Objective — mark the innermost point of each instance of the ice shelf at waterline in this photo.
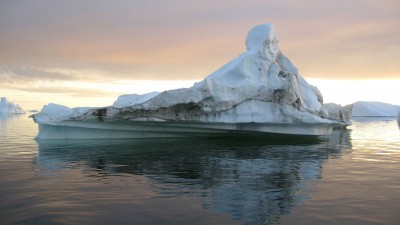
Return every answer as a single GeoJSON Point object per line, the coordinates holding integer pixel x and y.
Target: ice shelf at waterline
{"type": "Point", "coordinates": [258, 93]}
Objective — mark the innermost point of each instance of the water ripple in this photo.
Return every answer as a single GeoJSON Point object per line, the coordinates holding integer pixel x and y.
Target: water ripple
{"type": "Point", "coordinates": [342, 178]}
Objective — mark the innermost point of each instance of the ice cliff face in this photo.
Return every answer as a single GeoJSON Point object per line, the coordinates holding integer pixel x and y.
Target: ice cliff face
{"type": "Point", "coordinates": [259, 86]}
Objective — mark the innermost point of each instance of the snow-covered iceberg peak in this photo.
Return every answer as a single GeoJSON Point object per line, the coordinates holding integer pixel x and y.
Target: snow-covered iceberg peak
{"type": "Point", "coordinates": [258, 92]}
{"type": "Point", "coordinates": [261, 73]}
{"type": "Point", "coordinates": [262, 37]}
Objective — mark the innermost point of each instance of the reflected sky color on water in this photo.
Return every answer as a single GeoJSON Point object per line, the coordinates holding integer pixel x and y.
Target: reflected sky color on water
{"type": "Point", "coordinates": [350, 177]}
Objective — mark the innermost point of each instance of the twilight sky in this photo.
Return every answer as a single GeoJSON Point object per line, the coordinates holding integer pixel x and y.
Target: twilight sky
{"type": "Point", "coordinates": [98, 49]}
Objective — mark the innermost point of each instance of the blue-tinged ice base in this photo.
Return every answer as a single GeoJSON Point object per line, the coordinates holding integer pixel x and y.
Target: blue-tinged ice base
{"type": "Point", "coordinates": [119, 130]}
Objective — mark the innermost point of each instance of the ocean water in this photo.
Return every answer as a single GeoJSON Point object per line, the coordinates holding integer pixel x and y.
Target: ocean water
{"type": "Point", "coordinates": [351, 177]}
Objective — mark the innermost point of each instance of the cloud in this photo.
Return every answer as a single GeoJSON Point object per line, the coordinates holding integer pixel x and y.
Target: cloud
{"type": "Point", "coordinates": [52, 81]}
{"type": "Point", "coordinates": [188, 39]}
{"type": "Point", "coordinates": [29, 74]}
{"type": "Point", "coordinates": [71, 91]}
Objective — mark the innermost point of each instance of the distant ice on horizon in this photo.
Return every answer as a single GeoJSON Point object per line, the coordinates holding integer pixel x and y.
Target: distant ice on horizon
{"type": "Point", "coordinates": [375, 109]}
{"type": "Point", "coordinates": [10, 107]}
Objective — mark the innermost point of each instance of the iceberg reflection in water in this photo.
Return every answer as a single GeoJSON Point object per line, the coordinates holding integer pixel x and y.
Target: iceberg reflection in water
{"type": "Point", "coordinates": [253, 180]}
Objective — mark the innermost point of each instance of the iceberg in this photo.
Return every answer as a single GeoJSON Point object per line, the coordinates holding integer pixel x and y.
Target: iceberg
{"type": "Point", "coordinates": [258, 93]}
{"type": "Point", "coordinates": [374, 109]}
{"type": "Point", "coordinates": [7, 107]}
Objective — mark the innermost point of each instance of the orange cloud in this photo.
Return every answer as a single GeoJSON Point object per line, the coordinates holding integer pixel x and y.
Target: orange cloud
{"type": "Point", "coordinates": [188, 40]}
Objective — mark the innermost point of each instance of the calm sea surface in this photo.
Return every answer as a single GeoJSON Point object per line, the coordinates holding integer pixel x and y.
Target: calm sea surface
{"type": "Point", "coordinates": [351, 177]}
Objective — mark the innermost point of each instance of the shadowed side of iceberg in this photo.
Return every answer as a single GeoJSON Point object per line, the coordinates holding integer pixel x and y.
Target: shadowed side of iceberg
{"type": "Point", "coordinates": [127, 130]}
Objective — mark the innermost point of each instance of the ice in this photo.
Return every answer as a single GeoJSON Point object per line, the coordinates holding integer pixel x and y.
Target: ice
{"type": "Point", "coordinates": [376, 109]}
{"type": "Point", "coordinates": [337, 112]}
{"type": "Point", "coordinates": [10, 107]}
{"type": "Point", "coordinates": [132, 99]}
{"type": "Point", "coordinates": [258, 93]}
{"type": "Point", "coordinates": [55, 113]}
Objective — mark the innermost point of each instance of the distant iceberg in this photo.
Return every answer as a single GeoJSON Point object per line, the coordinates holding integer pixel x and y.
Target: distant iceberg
{"type": "Point", "coordinates": [258, 93]}
{"type": "Point", "coordinates": [374, 109]}
{"type": "Point", "coordinates": [10, 107]}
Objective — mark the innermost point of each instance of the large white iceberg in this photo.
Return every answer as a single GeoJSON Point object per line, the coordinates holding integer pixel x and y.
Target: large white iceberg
{"type": "Point", "coordinates": [374, 109]}
{"type": "Point", "coordinates": [259, 92]}
{"type": "Point", "coordinates": [10, 107]}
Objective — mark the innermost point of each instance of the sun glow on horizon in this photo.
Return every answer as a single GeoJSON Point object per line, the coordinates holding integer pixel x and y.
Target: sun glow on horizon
{"type": "Point", "coordinates": [349, 91]}
{"type": "Point", "coordinates": [99, 94]}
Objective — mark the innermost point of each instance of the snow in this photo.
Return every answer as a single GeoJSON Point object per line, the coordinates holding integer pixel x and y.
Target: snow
{"type": "Point", "coordinates": [132, 99]}
{"type": "Point", "coordinates": [260, 36]}
{"type": "Point", "coordinates": [375, 109]}
{"type": "Point", "coordinates": [54, 113]}
{"type": "Point", "coordinates": [10, 107]}
{"type": "Point", "coordinates": [260, 91]}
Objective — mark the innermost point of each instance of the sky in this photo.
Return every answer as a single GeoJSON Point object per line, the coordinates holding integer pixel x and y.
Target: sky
{"type": "Point", "coordinates": [88, 52]}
